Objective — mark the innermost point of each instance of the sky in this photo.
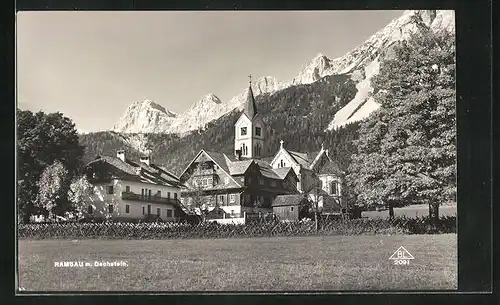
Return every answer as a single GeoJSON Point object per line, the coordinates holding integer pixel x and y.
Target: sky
{"type": "Point", "coordinates": [92, 65]}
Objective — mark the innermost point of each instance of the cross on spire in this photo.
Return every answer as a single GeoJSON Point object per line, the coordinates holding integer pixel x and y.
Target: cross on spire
{"type": "Point", "coordinates": [250, 78]}
{"type": "Point", "coordinates": [281, 143]}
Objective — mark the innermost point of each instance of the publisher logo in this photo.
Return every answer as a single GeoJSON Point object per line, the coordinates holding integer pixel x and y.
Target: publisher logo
{"type": "Point", "coordinates": [401, 256]}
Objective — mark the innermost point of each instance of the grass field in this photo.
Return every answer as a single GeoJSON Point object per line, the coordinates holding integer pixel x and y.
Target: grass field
{"type": "Point", "coordinates": [248, 264]}
{"type": "Point", "coordinates": [411, 211]}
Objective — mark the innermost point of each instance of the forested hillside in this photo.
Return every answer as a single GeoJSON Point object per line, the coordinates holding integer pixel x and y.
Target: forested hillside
{"type": "Point", "coordinates": [297, 115]}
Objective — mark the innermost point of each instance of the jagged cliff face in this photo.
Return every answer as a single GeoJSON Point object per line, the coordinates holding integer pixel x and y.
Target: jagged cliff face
{"type": "Point", "coordinates": [144, 117]}
{"type": "Point", "coordinates": [365, 59]}
{"type": "Point", "coordinates": [361, 64]}
{"type": "Point", "coordinates": [149, 117]}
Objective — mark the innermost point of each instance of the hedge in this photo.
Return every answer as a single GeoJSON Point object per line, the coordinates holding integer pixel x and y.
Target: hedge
{"type": "Point", "coordinates": [117, 230]}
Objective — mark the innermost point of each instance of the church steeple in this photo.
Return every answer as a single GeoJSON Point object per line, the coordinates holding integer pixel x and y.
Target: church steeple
{"type": "Point", "coordinates": [249, 129]}
{"type": "Point", "coordinates": [250, 107]}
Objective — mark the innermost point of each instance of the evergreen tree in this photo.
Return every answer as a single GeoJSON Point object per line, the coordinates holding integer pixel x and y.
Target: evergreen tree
{"type": "Point", "coordinates": [406, 151]}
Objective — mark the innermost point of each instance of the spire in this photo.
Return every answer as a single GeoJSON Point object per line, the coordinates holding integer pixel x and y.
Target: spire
{"type": "Point", "coordinates": [250, 108]}
{"type": "Point", "coordinates": [281, 144]}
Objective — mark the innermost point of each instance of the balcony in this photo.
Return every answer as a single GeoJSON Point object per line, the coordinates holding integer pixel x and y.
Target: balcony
{"type": "Point", "coordinates": [204, 172]}
{"type": "Point", "coordinates": [151, 199]}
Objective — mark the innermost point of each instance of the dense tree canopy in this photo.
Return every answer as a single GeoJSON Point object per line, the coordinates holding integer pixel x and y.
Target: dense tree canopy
{"type": "Point", "coordinates": [406, 151]}
{"type": "Point", "coordinates": [42, 141]}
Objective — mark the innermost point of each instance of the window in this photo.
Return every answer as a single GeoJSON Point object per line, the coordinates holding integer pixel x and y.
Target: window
{"type": "Point", "coordinates": [204, 182]}
{"type": "Point", "coordinates": [158, 211]}
{"type": "Point", "coordinates": [175, 196]}
{"type": "Point", "coordinates": [127, 189]}
{"type": "Point", "coordinates": [158, 193]}
{"type": "Point", "coordinates": [244, 149]}
{"type": "Point", "coordinates": [210, 181]}
{"type": "Point", "coordinates": [169, 213]}
{"type": "Point", "coordinates": [149, 194]}
{"type": "Point", "coordinates": [221, 198]}
{"type": "Point", "coordinates": [282, 163]}
{"type": "Point", "coordinates": [143, 210]}
{"type": "Point", "coordinates": [273, 183]}
{"type": "Point", "coordinates": [257, 131]}
{"type": "Point", "coordinates": [127, 208]}
{"type": "Point", "coordinates": [168, 195]}
{"type": "Point", "coordinates": [149, 209]}
{"type": "Point", "coordinates": [90, 209]}
{"type": "Point", "coordinates": [226, 180]}
{"type": "Point", "coordinates": [142, 192]}
{"type": "Point", "coordinates": [110, 209]}
{"type": "Point", "coordinates": [291, 209]}
{"type": "Point", "coordinates": [243, 131]}
{"type": "Point", "coordinates": [232, 212]}
{"type": "Point", "coordinates": [175, 213]}
{"type": "Point", "coordinates": [110, 189]}
{"type": "Point", "coordinates": [261, 181]}
{"type": "Point", "coordinates": [334, 186]}
{"type": "Point", "coordinates": [249, 180]}
{"type": "Point", "coordinates": [232, 198]}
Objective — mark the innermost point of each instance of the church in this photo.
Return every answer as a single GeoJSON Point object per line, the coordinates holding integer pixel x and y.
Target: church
{"type": "Point", "coordinates": [245, 181]}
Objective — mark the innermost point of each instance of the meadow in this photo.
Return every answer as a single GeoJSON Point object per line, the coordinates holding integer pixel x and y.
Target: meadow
{"type": "Point", "coordinates": [359, 262]}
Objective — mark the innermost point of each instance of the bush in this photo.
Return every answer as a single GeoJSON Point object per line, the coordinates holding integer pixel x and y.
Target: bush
{"type": "Point", "coordinates": [152, 230]}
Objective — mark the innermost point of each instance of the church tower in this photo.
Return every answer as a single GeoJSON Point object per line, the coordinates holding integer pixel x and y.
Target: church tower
{"type": "Point", "coordinates": [249, 130]}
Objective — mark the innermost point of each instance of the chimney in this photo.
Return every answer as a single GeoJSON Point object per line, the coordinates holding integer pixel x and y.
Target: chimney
{"type": "Point", "coordinates": [121, 155]}
{"type": "Point", "coordinates": [146, 160]}
{"type": "Point", "coordinates": [238, 154]}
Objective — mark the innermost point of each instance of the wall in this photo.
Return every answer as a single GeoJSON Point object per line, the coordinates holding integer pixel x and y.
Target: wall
{"type": "Point", "coordinates": [101, 200]}
{"type": "Point", "coordinates": [243, 121]}
{"type": "Point", "coordinates": [240, 220]}
{"type": "Point", "coordinates": [327, 179]}
{"type": "Point", "coordinates": [285, 212]}
{"type": "Point", "coordinates": [307, 180]}
{"type": "Point", "coordinates": [235, 208]}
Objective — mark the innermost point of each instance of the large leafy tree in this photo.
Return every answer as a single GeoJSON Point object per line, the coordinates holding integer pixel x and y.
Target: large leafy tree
{"type": "Point", "coordinates": [52, 187]}
{"type": "Point", "coordinates": [80, 190]}
{"type": "Point", "coordinates": [406, 151]}
{"type": "Point", "coordinates": [43, 139]}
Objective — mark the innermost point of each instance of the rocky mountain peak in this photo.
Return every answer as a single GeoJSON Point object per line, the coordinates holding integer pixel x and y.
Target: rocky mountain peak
{"type": "Point", "coordinates": [142, 116]}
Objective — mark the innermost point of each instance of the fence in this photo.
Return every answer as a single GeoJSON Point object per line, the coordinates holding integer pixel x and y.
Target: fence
{"type": "Point", "coordinates": [113, 230]}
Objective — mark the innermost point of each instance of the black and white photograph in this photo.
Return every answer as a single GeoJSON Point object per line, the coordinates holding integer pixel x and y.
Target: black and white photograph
{"type": "Point", "coordinates": [236, 151]}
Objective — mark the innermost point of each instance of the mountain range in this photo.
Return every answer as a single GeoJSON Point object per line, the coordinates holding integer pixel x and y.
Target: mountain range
{"type": "Point", "coordinates": [321, 104]}
{"type": "Point", "coordinates": [361, 64]}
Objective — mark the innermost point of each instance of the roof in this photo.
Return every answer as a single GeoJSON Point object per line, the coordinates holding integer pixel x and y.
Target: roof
{"type": "Point", "coordinates": [130, 170]}
{"type": "Point", "coordinates": [287, 200]}
{"type": "Point", "coordinates": [282, 171]}
{"type": "Point", "coordinates": [220, 159]}
{"type": "Point", "coordinates": [239, 167]}
{"type": "Point", "coordinates": [250, 107]}
{"type": "Point", "coordinates": [266, 170]}
{"type": "Point", "coordinates": [165, 171]}
{"type": "Point", "coordinates": [330, 168]}
{"type": "Point", "coordinates": [301, 158]}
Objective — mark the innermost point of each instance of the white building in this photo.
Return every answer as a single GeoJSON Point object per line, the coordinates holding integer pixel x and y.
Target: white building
{"type": "Point", "coordinates": [124, 189]}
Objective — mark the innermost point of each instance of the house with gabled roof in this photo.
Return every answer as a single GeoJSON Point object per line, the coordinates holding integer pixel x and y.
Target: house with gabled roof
{"type": "Point", "coordinates": [305, 165]}
{"type": "Point", "coordinates": [245, 181]}
{"type": "Point", "coordinates": [131, 190]}
{"type": "Point", "coordinates": [242, 182]}
{"type": "Point", "coordinates": [214, 179]}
